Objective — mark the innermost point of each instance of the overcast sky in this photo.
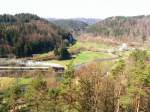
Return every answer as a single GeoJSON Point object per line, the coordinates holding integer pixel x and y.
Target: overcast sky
{"type": "Point", "coordinates": [76, 8]}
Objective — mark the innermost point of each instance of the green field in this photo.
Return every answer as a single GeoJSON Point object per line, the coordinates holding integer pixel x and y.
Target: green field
{"type": "Point", "coordinates": [83, 57]}
{"type": "Point", "coordinates": [84, 52]}
{"type": "Point", "coordinates": [81, 46]}
{"type": "Point", "coordinates": [88, 52]}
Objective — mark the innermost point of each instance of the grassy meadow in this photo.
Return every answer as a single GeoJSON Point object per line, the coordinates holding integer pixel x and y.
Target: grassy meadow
{"type": "Point", "coordinates": [82, 52]}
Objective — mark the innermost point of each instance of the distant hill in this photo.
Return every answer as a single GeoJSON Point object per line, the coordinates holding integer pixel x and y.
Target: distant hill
{"type": "Point", "coordinates": [135, 27]}
{"type": "Point", "coordinates": [27, 34]}
{"type": "Point", "coordinates": [51, 19]}
{"type": "Point", "coordinates": [89, 21]}
{"type": "Point", "coordinates": [69, 24]}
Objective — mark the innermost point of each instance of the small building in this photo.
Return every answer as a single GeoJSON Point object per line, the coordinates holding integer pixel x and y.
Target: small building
{"type": "Point", "coordinates": [123, 47]}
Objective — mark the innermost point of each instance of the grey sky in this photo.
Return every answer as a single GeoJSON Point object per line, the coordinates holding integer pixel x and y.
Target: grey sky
{"type": "Point", "coordinates": [76, 8]}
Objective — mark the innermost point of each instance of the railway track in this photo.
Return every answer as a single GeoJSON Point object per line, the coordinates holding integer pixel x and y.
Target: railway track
{"type": "Point", "coordinates": [23, 68]}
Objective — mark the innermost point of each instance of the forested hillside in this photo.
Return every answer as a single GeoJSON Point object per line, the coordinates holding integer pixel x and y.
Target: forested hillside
{"type": "Point", "coordinates": [136, 27]}
{"type": "Point", "coordinates": [26, 34]}
{"type": "Point", "coordinates": [70, 24]}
